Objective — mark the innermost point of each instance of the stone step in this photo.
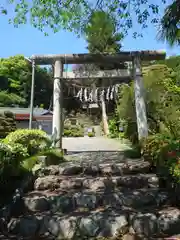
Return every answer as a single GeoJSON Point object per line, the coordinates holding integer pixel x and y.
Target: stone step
{"type": "Point", "coordinates": [94, 169]}
{"type": "Point", "coordinates": [68, 201]}
{"type": "Point", "coordinates": [53, 182]}
{"type": "Point", "coordinates": [98, 223]}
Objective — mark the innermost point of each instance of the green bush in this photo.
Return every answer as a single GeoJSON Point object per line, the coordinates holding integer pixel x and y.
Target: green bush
{"type": "Point", "coordinates": [33, 140]}
{"type": "Point", "coordinates": [163, 152]}
{"type": "Point", "coordinates": [18, 146]}
{"type": "Point", "coordinates": [52, 157]}
{"type": "Point", "coordinates": [91, 134]}
{"type": "Point", "coordinates": [5, 156]}
{"type": "Point", "coordinates": [162, 103]}
{"type": "Point", "coordinates": [113, 128]}
{"type": "Point", "coordinates": [30, 162]}
{"type": "Point", "coordinates": [10, 160]}
{"type": "Point", "coordinates": [134, 152]}
{"type": "Point", "coordinates": [117, 127]}
{"type": "Point", "coordinates": [73, 132]}
{"type": "Point", "coordinates": [7, 124]}
{"type": "Point", "coordinates": [67, 133]}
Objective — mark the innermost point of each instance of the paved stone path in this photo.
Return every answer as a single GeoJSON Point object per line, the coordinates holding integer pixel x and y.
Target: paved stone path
{"type": "Point", "coordinates": [93, 144]}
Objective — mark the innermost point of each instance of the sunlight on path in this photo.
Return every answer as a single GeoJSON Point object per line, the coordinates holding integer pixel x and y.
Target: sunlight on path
{"type": "Point", "coordinates": [93, 144]}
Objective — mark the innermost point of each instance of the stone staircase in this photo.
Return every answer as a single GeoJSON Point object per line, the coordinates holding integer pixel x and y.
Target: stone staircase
{"type": "Point", "coordinates": [95, 195]}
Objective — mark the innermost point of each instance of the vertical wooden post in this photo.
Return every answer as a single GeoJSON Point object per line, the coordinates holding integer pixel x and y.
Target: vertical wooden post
{"type": "Point", "coordinates": [103, 109]}
{"type": "Point", "coordinates": [57, 128]}
{"type": "Point", "coordinates": [104, 116]}
{"type": "Point", "coordinates": [32, 95]}
{"type": "Point", "coordinates": [141, 117]}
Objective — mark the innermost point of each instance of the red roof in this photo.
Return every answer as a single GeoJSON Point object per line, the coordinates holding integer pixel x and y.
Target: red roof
{"type": "Point", "coordinates": [26, 117]}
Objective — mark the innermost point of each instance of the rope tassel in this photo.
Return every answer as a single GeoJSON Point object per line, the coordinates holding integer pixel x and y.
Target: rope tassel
{"type": "Point", "coordinates": [112, 93]}
{"type": "Point", "coordinates": [107, 94]}
{"type": "Point", "coordinates": [81, 95]}
{"type": "Point", "coordinates": [96, 95]}
{"type": "Point", "coordinates": [91, 96]}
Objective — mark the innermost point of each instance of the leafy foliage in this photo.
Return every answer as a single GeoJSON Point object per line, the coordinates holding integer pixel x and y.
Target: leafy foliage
{"type": "Point", "coordinates": [15, 75]}
{"type": "Point", "coordinates": [10, 161]}
{"type": "Point", "coordinates": [127, 115]}
{"type": "Point", "coordinates": [91, 134]}
{"type": "Point", "coordinates": [162, 103]}
{"type": "Point", "coordinates": [173, 63]}
{"type": "Point", "coordinates": [33, 140]}
{"type": "Point", "coordinates": [7, 124]}
{"type": "Point", "coordinates": [102, 35]}
{"type": "Point", "coordinates": [20, 155]}
{"type": "Point", "coordinates": [15, 85]}
{"type": "Point", "coordinates": [5, 159]}
{"type": "Point", "coordinates": [73, 131]}
{"type": "Point", "coordinates": [10, 99]}
{"type": "Point", "coordinates": [163, 151]}
{"type": "Point", "coordinates": [169, 29]}
{"type": "Point", "coordinates": [114, 127]}
{"type": "Point", "coordinates": [75, 15]}
{"type": "Point", "coordinates": [51, 157]}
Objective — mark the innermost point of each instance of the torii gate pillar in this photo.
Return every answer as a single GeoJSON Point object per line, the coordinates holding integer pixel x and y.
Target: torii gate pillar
{"type": "Point", "coordinates": [57, 126]}
{"type": "Point", "coordinates": [141, 115]}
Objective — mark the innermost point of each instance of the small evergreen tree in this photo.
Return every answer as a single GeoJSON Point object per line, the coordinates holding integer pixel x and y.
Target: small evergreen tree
{"type": "Point", "coordinates": [7, 124]}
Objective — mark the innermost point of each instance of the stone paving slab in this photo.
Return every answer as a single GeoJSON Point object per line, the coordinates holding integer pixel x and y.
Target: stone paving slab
{"type": "Point", "coordinates": [93, 144]}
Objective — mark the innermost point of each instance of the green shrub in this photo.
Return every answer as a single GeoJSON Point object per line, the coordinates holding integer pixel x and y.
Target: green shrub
{"type": "Point", "coordinates": [10, 160]}
{"type": "Point", "coordinates": [52, 157]}
{"type": "Point", "coordinates": [117, 127]}
{"type": "Point", "coordinates": [77, 134]}
{"type": "Point", "coordinates": [7, 124]}
{"type": "Point", "coordinates": [163, 152]}
{"type": "Point", "coordinates": [67, 133]}
{"type": "Point", "coordinates": [162, 103]}
{"type": "Point", "coordinates": [135, 152]}
{"type": "Point", "coordinates": [5, 156]}
{"type": "Point", "coordinates": [91, 134]}
{"type": "Point", "coordinates": [113, 128]}
{"type": "Point", "coordinates": [73, 132]}
{"type": "Point", "coordinates": [33, 140]}
{"type": "Point", "coordinates": [30, 162]}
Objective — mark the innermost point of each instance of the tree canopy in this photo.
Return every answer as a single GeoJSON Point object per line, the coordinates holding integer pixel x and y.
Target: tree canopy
{"type": "Point", "coordinates": [15, 78]}
{"type": "Point", "coordinates": [102, 35]}
{"type": "Point", "coordinates": [15, 85]}
{"type": "Point", "coordinates": [170, 24]}
{"type": "Point", "coordinates": [74, 15]}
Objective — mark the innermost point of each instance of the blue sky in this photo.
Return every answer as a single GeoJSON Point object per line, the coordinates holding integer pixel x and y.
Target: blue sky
{"type": "Point", "coordinates": [28, 41]}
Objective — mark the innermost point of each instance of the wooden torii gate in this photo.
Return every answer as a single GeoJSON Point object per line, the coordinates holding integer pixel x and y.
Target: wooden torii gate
{"type": "Point", "coordinates": [135, 57]}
